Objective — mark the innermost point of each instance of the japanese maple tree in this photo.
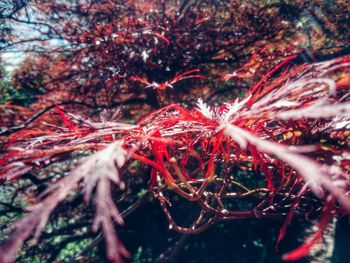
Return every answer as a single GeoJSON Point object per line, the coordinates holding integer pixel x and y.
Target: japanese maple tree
{"type": "Point", "coordinates": [279, 151]}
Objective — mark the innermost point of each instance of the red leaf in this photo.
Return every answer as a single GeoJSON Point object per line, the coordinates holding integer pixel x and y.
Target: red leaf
{"type": "Point", "coordinates": [66, 121]}
{"type": "Point", "coordinates": [304, 249]}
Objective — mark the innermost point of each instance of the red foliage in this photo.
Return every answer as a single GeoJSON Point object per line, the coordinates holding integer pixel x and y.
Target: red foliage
{"type": "Point", "coordinates": [280, 129]}
{"type": "Point", "coordinates": [290, 133]}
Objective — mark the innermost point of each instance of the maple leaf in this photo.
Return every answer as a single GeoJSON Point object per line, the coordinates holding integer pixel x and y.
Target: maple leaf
{"type": "Point", "coordinates": [97, 170]}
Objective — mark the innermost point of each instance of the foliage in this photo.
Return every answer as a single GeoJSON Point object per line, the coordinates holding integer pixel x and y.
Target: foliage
{"type": "Point", "coordinates": [192, 153]}
{"type": "Point", "coordinates": [280, 151]}
{"type": "Point", "coordinates": [99, 47]}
